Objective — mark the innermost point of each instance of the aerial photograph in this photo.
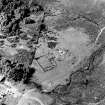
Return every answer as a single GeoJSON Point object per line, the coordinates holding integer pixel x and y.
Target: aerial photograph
{"type": "Point", "coordinates": [52, 52]}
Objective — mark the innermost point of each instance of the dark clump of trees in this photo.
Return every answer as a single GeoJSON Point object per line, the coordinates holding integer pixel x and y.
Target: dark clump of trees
{"type": "Point", "coordinates": [2, 104]}
{"type": "Point", "coordinates": [20, 73]}
{"type": "Point", "coordinates": [16, 72]}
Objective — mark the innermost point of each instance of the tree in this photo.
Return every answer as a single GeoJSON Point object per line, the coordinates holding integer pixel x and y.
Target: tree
{"type": "Point", "coordinates": [17, 73]}
{"type": "Point", "coordinates": [20, 73]}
